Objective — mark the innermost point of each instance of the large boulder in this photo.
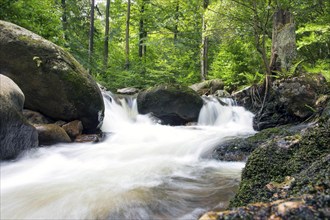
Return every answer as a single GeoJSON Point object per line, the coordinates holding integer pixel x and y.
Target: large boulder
{"type": "Point", "coordinates": [290, 100]}
{"type": "Point", "coordinates": [16, 134]}
{"type": "Point", "coordinates": [53, 82]}
{"type": "Point", "coordinates": [173, 105]}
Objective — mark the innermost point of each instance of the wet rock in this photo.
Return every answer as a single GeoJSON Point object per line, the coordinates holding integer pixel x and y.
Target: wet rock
{"type": "Point", "coordinates": [88, 138]}
{"type": "Point", "coordinates": [16, 134]}
{"type": "Point", "coordinates": [303, 207]}
{"type": "Point", "coordinates": [127, 91]}
{"type": "Point", "coordinates": [52, 134]}
{"type": "Point", "coordinates": [58, 86]}
{"type": "Point", "coordinates": [173, 105]}
{"type": "Point", "coordinates": [73, 128]}
{"type": "Point", "coordinates": [34, 117]}
{"type": "Point", "coordinates": [208, 87]}
{"type": "Point", "coordinates": [304, 157]}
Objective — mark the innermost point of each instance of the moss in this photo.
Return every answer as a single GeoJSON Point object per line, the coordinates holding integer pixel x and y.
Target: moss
{"type": "Point", "coordinates": [295, 156]}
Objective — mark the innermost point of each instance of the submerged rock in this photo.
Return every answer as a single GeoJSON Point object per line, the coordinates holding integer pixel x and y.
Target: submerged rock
{"type": "Point", "coordinates": [16, 134]}
{"type": "Point", "coordinates": [52, 134]}
{"type": "Point", "coordinates": [173, 105]}
{"type": "Point", "coordinates": [53, 82]}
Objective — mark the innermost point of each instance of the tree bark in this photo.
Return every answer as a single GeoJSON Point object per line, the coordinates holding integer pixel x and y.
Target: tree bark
{"type": "Point", "coordinates": [204, 48]}
{"type": "Point", "coordinates": [64, 20]}
{"type": "Point", "coordinates": [284, 48]}
{"type": "Point", "coordinates": [91, 37]}
{"type": "Point", "coordinates": [127, 64]}
{"type": "Point", "coordinates": [106, 36]}
{"type": "Point", "coordinates": [143, 33]}
{"type": "Point", "coordinates": [176, 26]}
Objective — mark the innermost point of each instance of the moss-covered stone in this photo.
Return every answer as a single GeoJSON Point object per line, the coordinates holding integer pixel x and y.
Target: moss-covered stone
{"type": "Point", "coordinates": [295, 156]}
{"type": "Point", "coordinates": [172, 104]}
{"type": "Point", "coordinates": [53, 82]}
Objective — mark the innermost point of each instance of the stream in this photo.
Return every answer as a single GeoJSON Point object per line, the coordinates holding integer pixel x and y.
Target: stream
{"type": "Point", "coordinates": [142, 170]}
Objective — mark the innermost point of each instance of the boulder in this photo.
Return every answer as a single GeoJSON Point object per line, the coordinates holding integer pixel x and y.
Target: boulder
{"type": "Point", "coordinates": [173, 105]}
{"type": "Point", "coordinates": [208, 87]}
{"type": "Point", "coordinates": [16, 134]}
{"type": "Point", "coordinates": [290, 100]}
{"type": "Point", "coordinates": [88, 138]}
{"type": "Point", "coordinates": [34, 117]}
{"type": "Point", "coordinates": [73, 128]}
{"type": "Point", "coordinates": [53, 82]}
{"type": "Point", "coordinates": [52, 134]}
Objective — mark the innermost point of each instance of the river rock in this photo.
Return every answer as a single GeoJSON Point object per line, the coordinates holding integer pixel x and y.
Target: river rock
{"type": "Point", "coordinates": [83, 138]}
{"type": "Point", "coordinates": [208, 87]}
{"type": "Point", "coordinates": [127, 91]}
{"type": "Point", "coordinates": [53, 82]}
{"type": "Point", "coordinates": [34, 117]}
{"type": "Point", "coordinates": [173, 105]}
{"type": "Point", "coordinates": [73, 128]}
{"type": "Point", "coordinates": [52, 134]}
{"type": "Point", "coordinates": [16, 134]}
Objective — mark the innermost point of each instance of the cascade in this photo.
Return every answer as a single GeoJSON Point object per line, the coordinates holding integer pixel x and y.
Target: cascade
{"type": "Point", "coordinates": [143, 170]}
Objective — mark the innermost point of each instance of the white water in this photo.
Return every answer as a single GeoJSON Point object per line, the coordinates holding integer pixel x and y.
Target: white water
{"type": "Point", "coordinates": [142, 170]}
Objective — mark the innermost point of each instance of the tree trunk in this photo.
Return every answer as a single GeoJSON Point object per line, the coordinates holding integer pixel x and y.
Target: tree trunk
{"type": "Point", "coordinates": [91, 37]}
{"type": "Point", "coordinates": [127, 33]}
{"type": "Point", "coordinates": [176, 27]}
{"type": "Point", "coordinates": [64, 20]}
{"type": "Point", "coordinates": [204, 47]}
{"type": "Point", "coordinates": [106, 36]}
{"type": "Point", "coordinates": [284, 48]}
{"type": "Point", "coordinates": [143, 33]}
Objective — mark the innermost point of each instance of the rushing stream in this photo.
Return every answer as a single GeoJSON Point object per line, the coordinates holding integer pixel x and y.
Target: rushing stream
{"type": "Point", "coordinates": [142, 170]}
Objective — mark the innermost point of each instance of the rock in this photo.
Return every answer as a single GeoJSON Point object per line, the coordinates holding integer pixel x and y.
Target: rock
{"type": "Point", "coordinates": [289, 101]}
{"type": "Point", "coordinates": [52, 134]}
{"type": "Point", "coordinates": [208, 87]}
{"type": "Point", "coordinates": [34, 117]}
{"type": "Point", "coordinates": [88, 138]}
{"type": "Point", "coordinates": [60, 123]}
{"type": "Point", "coordinates": [222, 94]}
{"type": "Point", "coordinates": [304, 156]}
{"type": "Point", "coordinates": [173, 105]}
{"type": "Point", "coordinates": [58, 86]}
{"type": "Point", "coordinates": [16, 134]}
{"type": "Point", "coordinates": [302, 207]}
{"type": "Point", "coordinates": [127, 91]}
{"type": "Point", "coordinates": [73, 128]}
{"type": "Point", "coordinates": [238, 149]}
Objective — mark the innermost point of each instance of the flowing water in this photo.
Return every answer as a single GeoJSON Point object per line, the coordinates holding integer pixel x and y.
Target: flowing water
{"type": "Point", "coordinates": [142, 170]}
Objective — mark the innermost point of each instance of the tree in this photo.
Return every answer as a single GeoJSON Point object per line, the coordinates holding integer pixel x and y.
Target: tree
{"type": "Point", "coordinates": [142, 31]}
{"type": "Point", "coordinates": [91, 36]}
{"type": "Point", "coordinates": [204, 47]}
{"type": "Point", "coordinates": [128, 16]}
{"type": "Point", "coordinates": [106, 36]}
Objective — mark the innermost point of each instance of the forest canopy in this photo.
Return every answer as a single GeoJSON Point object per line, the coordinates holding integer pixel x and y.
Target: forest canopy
{"type": "Point", "coordinates": [141, 43]}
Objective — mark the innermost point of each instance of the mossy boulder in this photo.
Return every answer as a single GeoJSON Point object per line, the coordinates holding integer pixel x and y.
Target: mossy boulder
{"type": "Point", "coordinates": [16, 134]}
{"type": "Point", "coordinates": [290, 100]}
{"type": "Point", "coordinates": [172, 104]}
{"type": "Point", "coordinates": [238, 149]}
{"type": "Point", "coordinates": [208, 87]}
{"type": "Point", "coordinates": [53, 82]}
{"type": "Point", "coordinates": [304, 157]}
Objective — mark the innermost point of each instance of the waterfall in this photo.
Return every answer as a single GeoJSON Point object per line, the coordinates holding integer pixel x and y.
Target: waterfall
{"type": "Point", "coordinates": [143, 170]}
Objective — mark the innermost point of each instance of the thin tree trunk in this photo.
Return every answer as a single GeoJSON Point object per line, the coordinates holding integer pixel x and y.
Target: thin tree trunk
{"type": "Point", "coordinates": [91, 37]}
{"type": "Point", "coordinates": [204, 47]}
{"type": "Point", "coordinates": [127, 64]}
{"type": "Point", "coordinates": [64, 19]}
{"type": "Point", "coordinates": [176, 27]}
{"type": "Point", "coordinates": [142, 31]}
{"type": "Point", "coordinates": [106, 36]}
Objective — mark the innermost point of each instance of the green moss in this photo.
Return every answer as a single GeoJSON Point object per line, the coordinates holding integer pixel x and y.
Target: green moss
{"type": "Point", "coordinates": [293, 156]}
